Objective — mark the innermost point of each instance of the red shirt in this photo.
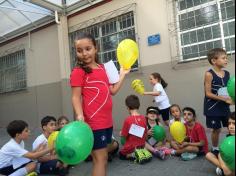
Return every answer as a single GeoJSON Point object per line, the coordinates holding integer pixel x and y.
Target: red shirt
{"type": "Point", "coordinates": [96, 96]}
{"type": "Point", "coordinates": [198, 134]}
{"type": "Point", "coordinates": [132, 141]}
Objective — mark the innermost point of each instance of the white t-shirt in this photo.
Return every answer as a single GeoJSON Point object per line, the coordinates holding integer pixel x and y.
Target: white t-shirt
{"type": "Point", "coordinates": [161, 101]}
{"type": "Point", "coordinates": [39, 140]}
{"type": "Point", "coordinates": [11, 154]}
{"type": "Point", "coordinates": [173, 120]}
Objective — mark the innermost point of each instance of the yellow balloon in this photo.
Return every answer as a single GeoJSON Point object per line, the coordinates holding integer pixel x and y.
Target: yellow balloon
{"type": "Point", "coordinates": [52, 138]}
{"type": "Point", "coordinates": [127, 53]}
{"type": "Point", "coordinates": [178, 131]}
{"type": "Point", "coordinates": [138, 86]}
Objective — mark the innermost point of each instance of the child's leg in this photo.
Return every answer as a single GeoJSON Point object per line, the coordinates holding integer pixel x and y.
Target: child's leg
{"type": "Point", "coordinates": [150, 148]}
{"type": "Point", "coordinates": [175, 145]}
{"type": "Point", "coordinates": [189, 149]}
{"type": "Point", "coordinates": [112, 148]}
{"type": "Point", "coordinates": [215, 136]}
{"type": "Point", "coordinates": [213, 159]}
{"type": "Point", "coordinates": [225, 168]}
{"type": "Point", "coordinates": [31, 167]}
{"type": "Point", "coordinates": [100, 158]}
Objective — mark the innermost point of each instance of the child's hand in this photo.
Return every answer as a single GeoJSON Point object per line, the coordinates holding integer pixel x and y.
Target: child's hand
{"type": "Point", "coordinates": [80, 118]}
{"type": "Point", "coordinates": [41, 147]}
{"type": "Point", "coordinates": [150, 132]}
{"type": "Point", "coordinates": [124, 72]}
{"type": "Point", "coordinates": [185, 144]}
{"type": "Point", "coordinates": [229, 101]}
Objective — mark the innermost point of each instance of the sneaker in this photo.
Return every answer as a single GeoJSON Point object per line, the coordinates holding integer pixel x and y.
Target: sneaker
{"type": "Point", "coordinates": [219, 172]}
{"type": "Point", "coordinates": [160, 154]}
{"type": "Point", "coordinates": [32, 174]}
{"type": "Point", "coordinates": [147, 154]}
{"type": "Point", "coordinates": [167, 150]}
{"type": "Point", "coordinates": [188, 156]}
{"type": "Point", "coordinates": [140, 157]}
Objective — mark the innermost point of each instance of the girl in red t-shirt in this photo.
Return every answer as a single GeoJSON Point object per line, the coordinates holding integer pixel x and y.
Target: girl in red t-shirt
{"type": "Point", "coordinates": [91, 98]}
{"type": "Point", "coordinates": [196, 141]}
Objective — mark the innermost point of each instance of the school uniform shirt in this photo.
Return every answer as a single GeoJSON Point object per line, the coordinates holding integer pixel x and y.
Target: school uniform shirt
{"type": "Point", "coordinates": [97, 99]}
{"type": "Point", "coordinates": [173, 121]}
{"type": "Point", "coordinates": [198, 134]}
{"type": "Point", "coordinates": [12, 154]}
{"type": "Point", "coordinates": [215, 108]}
{"type": "Point", "coordinates": [132, 141]}
{"type": "Point", "coordinates": [39, 140]}
{"type": "Point", "coordinates": [161, 101]}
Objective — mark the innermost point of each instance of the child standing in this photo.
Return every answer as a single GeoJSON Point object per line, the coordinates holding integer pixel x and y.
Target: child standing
{"type": "Point", "coordinates": [48, 164]}
{"type": "Point", "coordinates": [196, 134]}
{"type": "Point", "coordinates": [92, 100]}
{"type": "Point", "coordinates": [15, 160]}
{"type": "Point", "coordinates": [217, 100]}
{"type": "Point", "coordinates": [161, 98]}
{"type": "Point", "coordinates": [134, 131]}
{"type": "Point", "coordinates": [222, 169]}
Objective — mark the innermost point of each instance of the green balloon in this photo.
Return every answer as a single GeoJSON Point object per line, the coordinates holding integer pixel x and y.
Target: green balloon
{"type": "Point", "coordinates": [122, 140]}
{"type": "Point", "coordinates": [227, 152]}
{"type": "Point", "coordinates": [231, 87]}
{"type": "Point", "coordinates": [159, 133]}
{"type": "Point", "coordinates": [74, 143]}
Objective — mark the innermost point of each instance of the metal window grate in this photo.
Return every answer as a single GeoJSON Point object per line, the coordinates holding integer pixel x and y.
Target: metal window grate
{"type": "Point", "coordinates": [13, 72]}
{"type": "Point", "coordinates": [108, 34]}
{"type": "Point", "coordinates": [202, 25]}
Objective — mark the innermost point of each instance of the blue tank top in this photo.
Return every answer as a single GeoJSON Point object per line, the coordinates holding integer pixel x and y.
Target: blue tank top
{"type": "Point", "coordinates": [217, 108]}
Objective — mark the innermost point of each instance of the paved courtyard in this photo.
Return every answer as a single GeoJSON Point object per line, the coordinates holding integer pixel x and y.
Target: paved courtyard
{"type": "Point", "coordinates": [171, 167]}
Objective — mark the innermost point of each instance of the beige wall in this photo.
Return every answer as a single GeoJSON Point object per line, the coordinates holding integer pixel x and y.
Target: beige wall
{"type": "Point", "coordinates": [47, 59]}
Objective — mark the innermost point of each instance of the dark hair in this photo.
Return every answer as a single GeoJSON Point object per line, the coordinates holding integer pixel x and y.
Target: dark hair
{"type": "Point", "coordinates": [153, 109]}
{"type": "Point", "coordinates": [132, 102]}
{"type": "Point", "coordinates": [16, 127]}
{"type": "Point", "coordinates": [45, 121]}
{"type": "Point", "coordinates": [62, 118]}
{"type": "Point", "coordinates": [80, 63]}
{"type": "Point", "coordinates": [160, 79]}
{"type": "Point", "coordinates": [175, 106]}
{"type": "Point", "coordinates": [190, 110]}
{"type": "Point", "coordinates": [215, 53]}
{"type": "Point", "coordinates": [232, 116]}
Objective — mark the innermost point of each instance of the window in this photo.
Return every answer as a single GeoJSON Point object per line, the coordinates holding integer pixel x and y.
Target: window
{"type": "Point", "coordinates": [13, 72]}
{"type": "Point", "coordinates": [203, 25]}
{"type": "Point", "coordinates": [108, 34]}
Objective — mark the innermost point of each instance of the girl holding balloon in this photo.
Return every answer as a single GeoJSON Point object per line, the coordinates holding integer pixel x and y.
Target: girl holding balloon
{"type": "Point", "coordinates": [160, 97]}
{"type": "Point", "coordinates": [92, 100]}
{"type": "Point", "coordinates": [225, 161]}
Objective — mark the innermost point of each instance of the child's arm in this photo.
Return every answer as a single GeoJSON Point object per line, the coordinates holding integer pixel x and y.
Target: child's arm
{"type": "Point", "coordinates": [194, 144]}
{"type": "Point", "coordinates": [208, 92]}
{"type": "Point", "coordinates": [37, 154]}
{"type": "Point", "coordinates": [76, 101]}
{"type": "Point", "coordinates": [152, 93]}
{"type": "Point", "coordinates": [116, 87]}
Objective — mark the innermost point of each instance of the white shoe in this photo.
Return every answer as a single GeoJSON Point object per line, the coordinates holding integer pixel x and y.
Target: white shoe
{"type": "Point", "coordinates": [219, 172]}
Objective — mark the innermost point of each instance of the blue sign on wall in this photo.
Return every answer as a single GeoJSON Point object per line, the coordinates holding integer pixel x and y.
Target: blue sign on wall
{"type": "Point", "coordinates": [154, 40]}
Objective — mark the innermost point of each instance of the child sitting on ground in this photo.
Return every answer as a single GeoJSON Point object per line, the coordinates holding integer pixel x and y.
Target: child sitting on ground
{"type": "Point", "coordinates": [197, 140]}
{"type": "Point", "coordinates": [134, 132]}
{"type": "Point", "coordinates": [62, 121]}
{"type": "Point", "coordinates": [15, 160]}
{"type": "Point", "coordinates": [155, 147]}
{"type": "Point", "coordinates": [49, 164]}
{"type": "Point", "coordinates": [222, 169]}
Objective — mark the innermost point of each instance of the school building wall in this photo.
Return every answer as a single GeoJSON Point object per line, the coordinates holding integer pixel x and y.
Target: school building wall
{"type": "Point", "coordinates": [48, 67]}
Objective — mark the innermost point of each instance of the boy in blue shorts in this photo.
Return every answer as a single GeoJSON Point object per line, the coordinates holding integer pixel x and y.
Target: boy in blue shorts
{"type": "Point", "coordinates": [217, 100]}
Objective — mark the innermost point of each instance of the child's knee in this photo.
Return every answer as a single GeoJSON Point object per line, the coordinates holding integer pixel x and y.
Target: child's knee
{"type": "Point", "coordinates": [31, 167]}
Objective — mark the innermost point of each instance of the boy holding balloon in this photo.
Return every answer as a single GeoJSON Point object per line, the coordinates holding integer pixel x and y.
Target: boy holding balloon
{"type": "Point", "coordinates": [217, 100]}
{"type": "Point", "coordinates": [225, 167]}
{"type": "Point", "coordinates": [48, 164]}
{"type": "Point", "coordinates": [196, 140]}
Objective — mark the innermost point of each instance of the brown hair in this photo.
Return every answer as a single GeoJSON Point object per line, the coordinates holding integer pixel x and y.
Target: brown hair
{"type": "Point", "coordinates": [79, 62]}
{"type": "Point", "coordinates": [132, 102]}
{"type": "Point", "coordinates": [215, 53]}
{"type": "Point", "coordinates": [61, 119]}
{"type": "Point", "coordinates": [175, 106]}
{"type": "Point", "coordinates": [160, 79]}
